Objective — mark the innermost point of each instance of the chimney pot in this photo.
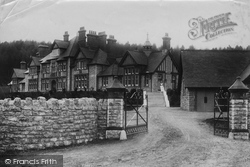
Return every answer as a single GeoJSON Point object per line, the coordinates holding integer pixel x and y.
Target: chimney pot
{"type": "Point", "coordinates": [82, 28]}
{"type": "Point", "coordinates": [111, 37]}
{"type": "Point", "coordinates": [102, 33]}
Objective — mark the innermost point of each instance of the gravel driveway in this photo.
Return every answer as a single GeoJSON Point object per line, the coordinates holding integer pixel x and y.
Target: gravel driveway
{"type": "Point", "coordinates": [175, 138]}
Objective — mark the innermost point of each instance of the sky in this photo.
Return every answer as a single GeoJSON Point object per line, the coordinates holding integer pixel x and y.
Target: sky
{"type": "Point", "coordinates": [129, 21]}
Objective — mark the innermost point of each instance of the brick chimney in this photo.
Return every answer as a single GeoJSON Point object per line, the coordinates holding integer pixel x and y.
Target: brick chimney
{"type": "Point", "coordinates": [66, 36]}
{"type": "Point", "coordinates": [102, 38]}
{"type": "Point", "coordinates": [166, 42]}
{"type": "Point", "coordinates": [92, 39]}
{"type": "Point", "coordinates": [111, 44]}
{"type": "Point", "coordinates": [23, 65]}
{"type": "Point", "coordinates": [82, 37]}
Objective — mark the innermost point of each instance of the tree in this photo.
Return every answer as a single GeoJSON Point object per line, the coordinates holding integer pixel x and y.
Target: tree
{"type": "Point", "coordinates": [191, 47]}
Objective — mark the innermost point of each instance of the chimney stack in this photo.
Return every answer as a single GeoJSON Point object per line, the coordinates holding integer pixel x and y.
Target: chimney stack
{"type": "Point", "coordinates": [82, 37]}
{"type": "Point", "coordinates": [111, 44]}
{"type": "Point", "coordinates": [166, 42]}
{"type": "Point", "coordinates": [92, 39]}
{"type": "Point", "coordinates": [102, 38]}
{"type": "Point", "coordinates": [23, 65]}
{"type": "Point", "coordinates": [66, 36]}
{"type": "Point", "coordinates": [43, 50]}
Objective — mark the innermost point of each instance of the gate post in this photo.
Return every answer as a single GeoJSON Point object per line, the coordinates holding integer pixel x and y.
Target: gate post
{"type": "Point", "coordinates": [115, 113]}
{"type": "Point", "coordinates": [238, 111]}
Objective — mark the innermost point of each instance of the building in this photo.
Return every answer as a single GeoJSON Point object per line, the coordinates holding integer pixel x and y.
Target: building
{"type": "Point", "coordinates": [87, 62]}
{"type": "Point", "coordinates": [207, 71]}
{"type": "Point", "coordinates": [18, 78]}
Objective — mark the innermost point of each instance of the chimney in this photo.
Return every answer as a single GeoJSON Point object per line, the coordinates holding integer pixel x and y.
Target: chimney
{"type": "Point", "coordinates": [23, 65]}
{"type": "Point", "coordinates": [102, 38]}
{"type": "Point", "coordinates": [92, 39]}
{"type": "Point", "coordinates": [43, 50]}
{"type": "Point", "coordinates": [111, 44]}
{"type": "Point", "coordinates": [66, 36]}
{"type": "Point", "coordinates": [82, 37]}
{"type": "Point", "coordinates": [166, 42]}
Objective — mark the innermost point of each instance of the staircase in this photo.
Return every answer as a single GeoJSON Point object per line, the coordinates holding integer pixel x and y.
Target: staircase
{"type": "Point", "coordinates": [156, 99]}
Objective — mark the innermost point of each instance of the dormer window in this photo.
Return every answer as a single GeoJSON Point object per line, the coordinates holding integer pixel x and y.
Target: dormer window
{"type": "Point", "coordinates": [81, 65]}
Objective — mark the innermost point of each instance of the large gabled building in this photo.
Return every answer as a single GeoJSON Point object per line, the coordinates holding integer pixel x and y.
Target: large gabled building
{"type": "Point", "coordinates": [87, 62]}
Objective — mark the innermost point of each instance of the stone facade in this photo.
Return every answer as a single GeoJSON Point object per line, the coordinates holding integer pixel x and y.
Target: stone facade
{"type": "Point", "coordinates": [39, 124]}
{"type": "Point", "coordinates": [238, 119]}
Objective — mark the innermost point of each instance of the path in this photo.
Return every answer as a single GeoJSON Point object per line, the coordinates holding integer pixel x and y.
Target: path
{"type": "Point", "coordinates": [175, 138]}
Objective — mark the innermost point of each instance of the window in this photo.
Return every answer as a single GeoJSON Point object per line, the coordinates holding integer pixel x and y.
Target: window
{"type": "Point", "coordinates": [14, 81]}
{"type": "Point", "coordinates": [62, 66]}
{"type": "Point", "coordinates": [160, 77]}
{"type": "Point", "coordinates": [81, 82]}
{"type": "Point", "coordinates": [45, 68]}
{"type": "Point", "coordinates": [131, 77]}
{"type": "Point", "coordinates": [53, 67]}
{"type": "Point", "coordinates": [81, 65]}
{"type": "Point", "coordinates": [32, 84]}
{"type": "Point", "coordinates": [104, 81]}
{"type": "Point", "coordinates": [45, 84]}
{"type": "Point", "coordinates": [136, 80]}
{"type": "Point", "coordinates": [84, 65]}
{"type": "Point", "coordinates": [33, 70]}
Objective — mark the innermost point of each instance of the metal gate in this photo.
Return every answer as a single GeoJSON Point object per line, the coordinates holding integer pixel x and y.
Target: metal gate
{"type": "Point", "coordinates": [221, 113]}
{"type": "Point", "coordinates": [136, 112]}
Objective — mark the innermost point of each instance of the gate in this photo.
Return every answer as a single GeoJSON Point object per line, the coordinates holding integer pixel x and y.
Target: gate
{"type": "Point", "coordinates": [221, 113]}
{"type": "Point", "coordinates": [136, 112]}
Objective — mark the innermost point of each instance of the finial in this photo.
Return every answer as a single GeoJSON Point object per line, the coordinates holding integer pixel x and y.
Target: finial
{"type": "Point", "coordinates": [147, 36]}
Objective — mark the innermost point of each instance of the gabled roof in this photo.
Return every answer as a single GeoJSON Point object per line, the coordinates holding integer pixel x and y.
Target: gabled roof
{"type": "Point", "coordinates": [61, 44]}
{"type": "Point", "coordinates": [113, 70]}
{"type": "Point", "coordinates": [176, 59]}
{"type": "Point", "coordinates": [210, 68]}
{"type": "Point", "coordinates": [35, 61]}
{"type": "Point", "coordinates": [72, 48]}
{"type": "Point", "coordinates": [53, 55]}
{"type": "Point", "coordinates": [18, 73]}
{"type": "Point", "coordinates": [154, 60]}
{"type": "Point", "coordinates": [138, 57]}
{"type": "Point", "coordinates": [100, 58]}
{"type": "Point", "coordinates": [88, 53]}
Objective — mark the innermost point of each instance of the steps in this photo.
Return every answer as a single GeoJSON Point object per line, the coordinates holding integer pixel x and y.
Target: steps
{"type": "Point", "coordinates": [156, 99]}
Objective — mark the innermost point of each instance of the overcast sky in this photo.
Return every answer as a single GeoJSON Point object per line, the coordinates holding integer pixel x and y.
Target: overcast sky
{"type": "Point", "coordinates": [46, 20]}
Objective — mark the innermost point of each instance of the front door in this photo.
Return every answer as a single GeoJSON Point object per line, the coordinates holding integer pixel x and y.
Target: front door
{"type": "Point", "coordinates": [205, 100]}
{"type": "Point", "coordinates": [53, 85]}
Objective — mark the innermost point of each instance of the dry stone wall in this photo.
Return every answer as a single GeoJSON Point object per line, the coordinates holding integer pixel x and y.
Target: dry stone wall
{"type": "Point", "coordinates": [39, 124]}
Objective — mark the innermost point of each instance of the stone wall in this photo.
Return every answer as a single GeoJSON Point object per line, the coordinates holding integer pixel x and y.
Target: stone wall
{"type": "Point", "coordinates": [39, 124]}
{"type": "Point", "coordinates": [115, 118]}
{"type": "Point", "coordinates": [238, 115]}
{"type": "Point", "coordinates": [188, 99]}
